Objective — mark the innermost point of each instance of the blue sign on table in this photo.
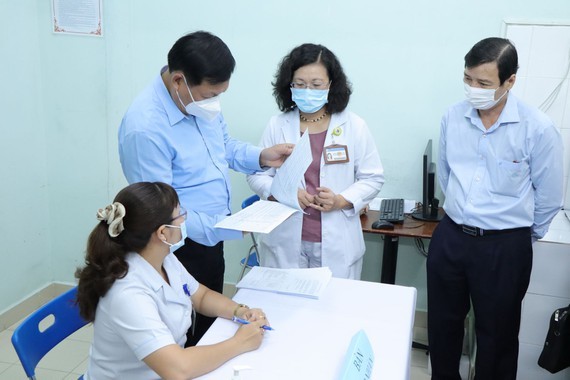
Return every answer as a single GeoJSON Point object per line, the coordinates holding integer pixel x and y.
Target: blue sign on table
{"type": "Point", "coordinates": [359, 359]}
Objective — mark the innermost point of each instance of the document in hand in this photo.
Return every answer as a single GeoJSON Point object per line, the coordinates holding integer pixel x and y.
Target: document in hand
{"type": "Point", "coordinates": [290, 175]}
{"type": "Point", "coordinates": [304, 282]}
{"type": "Point", "coordinates": [262, 217]}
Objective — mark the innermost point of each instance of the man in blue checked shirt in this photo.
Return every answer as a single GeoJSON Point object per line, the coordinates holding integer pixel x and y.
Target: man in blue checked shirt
{"type": "Point", "coordinates": [500, 167]}
{"type": "Point", "coordinates": [174, 132]}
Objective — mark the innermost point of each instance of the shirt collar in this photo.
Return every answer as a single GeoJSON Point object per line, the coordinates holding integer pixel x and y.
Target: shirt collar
{"type": "Point", "coordinates": [148, 273]}
{"type": "Point", "coordinates": [510, 113]}
{"type": "Point", "coordinates": [173, 112]}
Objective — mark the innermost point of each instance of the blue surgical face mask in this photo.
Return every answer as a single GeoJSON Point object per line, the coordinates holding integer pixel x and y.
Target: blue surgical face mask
{"type": "Point", "coordinates": [308, 100]}
{"type": "Point", "coordinates": [175, 246]}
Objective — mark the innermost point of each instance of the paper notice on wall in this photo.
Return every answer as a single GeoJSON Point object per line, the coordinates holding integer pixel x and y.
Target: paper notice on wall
{"type": "Point", "coordinates": [77, 17]}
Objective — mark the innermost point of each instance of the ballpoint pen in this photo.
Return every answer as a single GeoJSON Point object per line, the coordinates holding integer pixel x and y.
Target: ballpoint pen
{"type": "Point", "coordinates": [244, 322]}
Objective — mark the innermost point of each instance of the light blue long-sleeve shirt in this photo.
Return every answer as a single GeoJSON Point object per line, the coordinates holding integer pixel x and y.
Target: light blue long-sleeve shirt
{"type": "Point", "coordinates": [157, 142]}
{"type": "Point", "coordinates": [508, 176]}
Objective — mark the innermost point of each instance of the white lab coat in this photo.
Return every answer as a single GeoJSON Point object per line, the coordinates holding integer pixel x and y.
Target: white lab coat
{"type": "Point", "coordinates": [358, 181]}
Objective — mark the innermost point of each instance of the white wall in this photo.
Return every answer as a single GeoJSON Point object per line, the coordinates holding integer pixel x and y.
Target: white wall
{"type": "Point", "coordinates": [64, 97]}
{"type": "Point", "coordinates": [544, 54]}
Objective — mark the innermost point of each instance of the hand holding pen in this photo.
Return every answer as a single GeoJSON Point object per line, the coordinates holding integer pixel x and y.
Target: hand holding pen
{"type": "Point", "coordinates": [245, 322]}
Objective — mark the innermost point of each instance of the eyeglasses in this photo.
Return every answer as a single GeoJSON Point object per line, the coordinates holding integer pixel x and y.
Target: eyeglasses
{"type": "Point", "coordinates": [311, 86]}
{"type": "Point", "coordinates": [183, 214]}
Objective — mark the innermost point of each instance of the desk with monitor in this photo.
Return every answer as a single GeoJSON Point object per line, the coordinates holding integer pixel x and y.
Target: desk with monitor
{"type": "Point", "coordinates": [418, 225]}
{"type": "Point", "coordinates": [311, 336]}
{"type": "Point", "coordinates": [411, 228]}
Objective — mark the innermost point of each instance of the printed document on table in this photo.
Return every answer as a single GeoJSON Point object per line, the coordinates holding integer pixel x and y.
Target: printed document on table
{"type": "Point", "coordinates": [304, 282]}
{"type": "Point", "coordinates": [290, 174]}
{"type": "Point", "coordinates": [262, 217]}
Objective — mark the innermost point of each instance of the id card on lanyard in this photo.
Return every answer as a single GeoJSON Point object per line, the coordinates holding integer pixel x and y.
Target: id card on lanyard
{"type": "Point", "coordinates": [335, 153]}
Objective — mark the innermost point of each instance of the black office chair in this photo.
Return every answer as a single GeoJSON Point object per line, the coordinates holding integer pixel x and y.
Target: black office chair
{"type": "Point", "coordinates": [252, 257]}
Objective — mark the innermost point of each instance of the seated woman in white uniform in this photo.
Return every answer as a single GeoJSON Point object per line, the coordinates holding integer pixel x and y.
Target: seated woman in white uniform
{"type": "Point", "coordinates": [140, 298]}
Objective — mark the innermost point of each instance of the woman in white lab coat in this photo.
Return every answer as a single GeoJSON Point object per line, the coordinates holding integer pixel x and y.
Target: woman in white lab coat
{"type": "Point", "coordinates": [345, 174]}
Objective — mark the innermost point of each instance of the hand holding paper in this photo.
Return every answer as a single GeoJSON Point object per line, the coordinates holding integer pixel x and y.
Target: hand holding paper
{"type": "Point", "coordinates": [288, 178]}
{"type": "Point", "coordinates": [275, 155]}
{"type": "Point", "coordinates": [264, 216]}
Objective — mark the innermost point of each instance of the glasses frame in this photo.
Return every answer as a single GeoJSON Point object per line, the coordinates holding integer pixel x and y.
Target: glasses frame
{"type": "Point", "coordinates": [183, 213]}
{"type": "Point", "coordinates": [310, 86]}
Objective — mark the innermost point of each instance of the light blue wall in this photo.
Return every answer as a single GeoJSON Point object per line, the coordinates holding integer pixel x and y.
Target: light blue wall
{"type": "Point", "coordinates": [25, 255]}
{"type": "Point", "coordinates": [64, 97]}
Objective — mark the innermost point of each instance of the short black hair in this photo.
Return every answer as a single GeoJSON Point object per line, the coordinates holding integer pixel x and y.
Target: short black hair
{"type": "Point", "coordinates": [201, 56]}
{"type": "Point", "coordinates": [306, 54]}
{"type": "Point", "coordinates": [494, 49]}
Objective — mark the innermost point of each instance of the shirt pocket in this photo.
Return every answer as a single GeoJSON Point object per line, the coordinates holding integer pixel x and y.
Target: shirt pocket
{"type": "Point", "coordinates": [511, 177]}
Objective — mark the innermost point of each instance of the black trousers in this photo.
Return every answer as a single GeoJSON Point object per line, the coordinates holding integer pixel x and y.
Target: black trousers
{"type": "Point", "coordinates": [492, 272]}
{"type": "Point", "coordinates": [207, 266]}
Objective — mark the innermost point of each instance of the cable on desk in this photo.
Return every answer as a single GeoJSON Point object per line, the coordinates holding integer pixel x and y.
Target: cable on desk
{"type": "Point", "coordinates": [412, 226]}
{"type": "Point", "coordinates": [409, 217]}
{"type": "Point", "coordinates": [421, 247]}
{"type": "Point", "coordinates": [419, 206]}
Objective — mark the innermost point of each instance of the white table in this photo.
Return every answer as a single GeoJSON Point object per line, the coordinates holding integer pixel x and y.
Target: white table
{"type": "Point", "coordinates": [311, 336]}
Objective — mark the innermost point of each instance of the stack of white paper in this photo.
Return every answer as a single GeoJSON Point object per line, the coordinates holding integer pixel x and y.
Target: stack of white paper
{"type": "Point", "coordinates": [304, 282]}
{"type": "Point", "coordinates": [261, 217]}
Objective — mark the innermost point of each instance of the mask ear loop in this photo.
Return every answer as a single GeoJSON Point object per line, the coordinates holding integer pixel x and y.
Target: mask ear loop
{"type": "Point", "coordinates": [172, 226]}
{"type": "Point", "coordinates": [190, 92]}
{"type": "Point", "coordinates": [501, 97]}
{"type": "Point", "coordinates": [188, 88]}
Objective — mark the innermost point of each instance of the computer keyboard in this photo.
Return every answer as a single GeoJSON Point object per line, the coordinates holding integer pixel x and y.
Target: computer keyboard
{"type": "Point", "coordinates": [392, 210]}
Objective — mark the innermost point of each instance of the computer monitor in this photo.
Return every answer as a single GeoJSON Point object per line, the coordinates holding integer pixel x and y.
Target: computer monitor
{"type": "Point", "coordinates": [430, 204]}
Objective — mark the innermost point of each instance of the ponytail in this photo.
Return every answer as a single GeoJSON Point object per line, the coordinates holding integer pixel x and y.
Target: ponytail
{"type": "Point", "coordinates": [125, 226]}
{"type": "Point", "coordinates": [105, 263]}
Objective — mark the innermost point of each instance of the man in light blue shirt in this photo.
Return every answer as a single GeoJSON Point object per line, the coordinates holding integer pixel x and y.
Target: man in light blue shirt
{"type": "Point", "coordinates": [174, 133]}
{"type": "Point", "coordinates": [500, 167]}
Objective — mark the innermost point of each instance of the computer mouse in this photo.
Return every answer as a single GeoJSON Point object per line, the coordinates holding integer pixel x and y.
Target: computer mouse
{"type": "Point", "coordinates": [382, 225]}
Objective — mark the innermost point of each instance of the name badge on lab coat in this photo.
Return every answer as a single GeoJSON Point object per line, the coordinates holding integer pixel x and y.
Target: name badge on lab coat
{"type": "Point", "coordinates": [335, 154]}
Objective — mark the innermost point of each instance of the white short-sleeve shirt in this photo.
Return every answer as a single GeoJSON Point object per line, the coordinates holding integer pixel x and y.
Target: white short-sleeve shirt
{"type": "Point", "coordinates": [140, 314]}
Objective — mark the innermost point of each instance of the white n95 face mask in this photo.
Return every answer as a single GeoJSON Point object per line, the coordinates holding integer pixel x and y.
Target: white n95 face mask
{"type": "Point", "coordinates": [206, 109]}
{"type": "Point", "coordinates": [481, 98]}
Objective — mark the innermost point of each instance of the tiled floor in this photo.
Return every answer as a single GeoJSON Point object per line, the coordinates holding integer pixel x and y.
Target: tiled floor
{"type": "Point", "coordinates": [68, 360]}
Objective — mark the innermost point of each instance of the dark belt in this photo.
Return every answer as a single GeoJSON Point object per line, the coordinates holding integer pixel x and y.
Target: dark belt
{"type": "Point", "coordinates": [476, 231]}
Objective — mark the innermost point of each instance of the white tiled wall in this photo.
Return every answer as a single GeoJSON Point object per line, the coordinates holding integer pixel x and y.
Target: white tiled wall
{"type": "Point", "coordinates": [549, 289]}
{"type": "Point", "coordinates": [544, 57]}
